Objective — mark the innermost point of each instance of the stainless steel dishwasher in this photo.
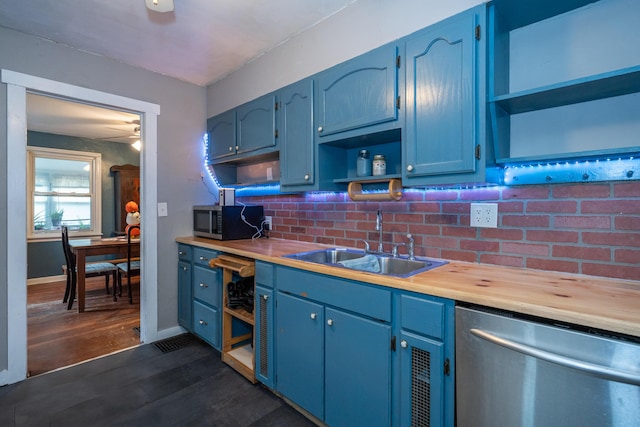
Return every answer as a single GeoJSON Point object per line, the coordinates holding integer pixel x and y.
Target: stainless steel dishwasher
{"type": "Point", "coordinates": [513, 371]}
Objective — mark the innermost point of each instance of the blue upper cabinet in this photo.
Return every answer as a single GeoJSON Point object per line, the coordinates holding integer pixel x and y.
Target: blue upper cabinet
{"type": "Point", "coordinates": [359, 96]}
{"type": "Point", "coordinates": [246, 130]}
{"type": "Point", "coordinates": [256, 124]}
{"type": "Point", "coordinates": [443, 142]}
{"type": "Point", "coordinates": [295, 131]}
{"type": "Point", "coordinates": [222, 135]}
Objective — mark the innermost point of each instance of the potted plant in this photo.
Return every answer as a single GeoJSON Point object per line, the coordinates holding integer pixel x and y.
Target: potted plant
{"type": "Point", "coordinates": [56, 217]}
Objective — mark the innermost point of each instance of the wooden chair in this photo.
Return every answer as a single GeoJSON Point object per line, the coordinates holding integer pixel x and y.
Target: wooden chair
{"type": "Point", "coordinates": [129, 268]}
{"type": "Point", "coordinates": [92, 269]}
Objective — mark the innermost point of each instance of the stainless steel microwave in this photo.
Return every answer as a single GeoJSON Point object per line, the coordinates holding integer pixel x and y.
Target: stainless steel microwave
{"type": "Point", "coordinates": [227, 222]}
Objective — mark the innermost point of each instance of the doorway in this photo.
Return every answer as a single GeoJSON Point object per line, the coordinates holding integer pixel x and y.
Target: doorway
{"type": "Point", "coordinates": [18, 85]}
{"type": "Point", "coordinates": [84, 165]}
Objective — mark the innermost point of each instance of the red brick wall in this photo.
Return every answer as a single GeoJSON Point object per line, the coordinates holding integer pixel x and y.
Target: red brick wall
{"type": "Point", "coordinates": [591, 229]}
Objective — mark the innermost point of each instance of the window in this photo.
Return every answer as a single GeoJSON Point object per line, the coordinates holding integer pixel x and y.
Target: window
{"type": "Point", "coordinates": [64, 189]}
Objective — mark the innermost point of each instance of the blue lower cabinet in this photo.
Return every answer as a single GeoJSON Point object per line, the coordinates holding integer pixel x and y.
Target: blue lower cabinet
{"type": "Point", "coordinates": [300, 352]}
{"type": "Point", "coordinates": [185, 300]}
{"type": "Point", "coordinates": [206, 323]}
{"type": "Point", "coordinates": [207, 300]}
{"type": "Point", "coordinates": [421, 381]}
{"type": "Point", "coordinates": [264, 304]}
{"type": "Point", "coordinates": [357, 370]}
{"type": "Point", "coordinates": [335, 365]}
{"type": "Point", "coordinates": [426, 335]}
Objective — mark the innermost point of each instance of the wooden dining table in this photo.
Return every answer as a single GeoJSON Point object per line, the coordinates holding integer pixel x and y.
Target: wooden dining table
{"type": "Point", "coordinates": [83, 248]}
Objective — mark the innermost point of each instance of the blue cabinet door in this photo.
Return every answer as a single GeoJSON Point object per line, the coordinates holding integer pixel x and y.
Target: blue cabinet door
{"type": "Point", "coordinates": [256, 124]}
{"type": "Point", "coordinates": [422, 396]}
{"type": "Point", "coordinates": [441, 100]}
{"type": "Point", "coordinates": [299, 352]}
{"type": "Point", "coordinates": [221, 131]}
{"type": "Point", "coordinates": [359, 93]}
{"type": "Point", "coordinates": [295, 129]}
{"type": "Point", "coordinates": [184, 295]}
{"type": "Point", "coordinates": [264, 335]}
{"type": "Point", "coordinates": [357, 371]}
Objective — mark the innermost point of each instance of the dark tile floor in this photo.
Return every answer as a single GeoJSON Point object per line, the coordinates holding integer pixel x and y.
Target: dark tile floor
{"type": "Point", "coordinates": [144, 386]}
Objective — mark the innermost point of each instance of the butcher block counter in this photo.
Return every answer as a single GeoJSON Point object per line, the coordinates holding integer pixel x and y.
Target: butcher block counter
{"type": "Point", "coordinates": [597, 302]}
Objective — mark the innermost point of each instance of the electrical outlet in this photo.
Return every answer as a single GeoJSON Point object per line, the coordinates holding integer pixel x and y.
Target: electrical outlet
{"type": "Point", "coordinates": [267, 223]}
{"type": "Point", "coordinates": [484, 215]}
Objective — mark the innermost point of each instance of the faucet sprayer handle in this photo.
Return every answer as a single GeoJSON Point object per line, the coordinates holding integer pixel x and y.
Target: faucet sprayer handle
{"type": "Point", "coordinates": [367, 249]}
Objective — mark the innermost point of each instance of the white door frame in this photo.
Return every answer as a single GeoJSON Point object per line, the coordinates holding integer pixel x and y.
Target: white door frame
{"type": "Point", "coordinates": [16, 245]}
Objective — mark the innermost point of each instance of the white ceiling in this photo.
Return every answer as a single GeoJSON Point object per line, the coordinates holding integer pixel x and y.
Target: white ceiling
{"type": "Point", "coordinates": [200, 42]}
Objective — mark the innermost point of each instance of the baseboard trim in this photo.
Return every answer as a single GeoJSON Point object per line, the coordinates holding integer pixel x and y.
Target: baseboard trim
{"type": "Point", "coordinates": [48, 279]}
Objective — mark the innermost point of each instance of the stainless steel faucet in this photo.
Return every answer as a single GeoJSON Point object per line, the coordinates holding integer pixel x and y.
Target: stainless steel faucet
{"type": "Point", "coordinates": [379, 228]}
{"type": "Point", "coordinates": [411, 247]}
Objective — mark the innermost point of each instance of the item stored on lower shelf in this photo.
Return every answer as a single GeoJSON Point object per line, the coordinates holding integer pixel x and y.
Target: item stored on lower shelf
{"type": "Point", "coordinates": [394, 191]}
{"type": "Point", "coordinates": [240, 294]}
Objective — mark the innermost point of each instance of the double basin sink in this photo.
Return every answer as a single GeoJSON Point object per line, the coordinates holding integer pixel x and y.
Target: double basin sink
{"type": "Point", "coordinates": [383, 264]}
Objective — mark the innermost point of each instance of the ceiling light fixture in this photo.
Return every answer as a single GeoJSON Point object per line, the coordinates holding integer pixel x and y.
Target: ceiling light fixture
{"type": "Point", "coordinates": [160, 5]}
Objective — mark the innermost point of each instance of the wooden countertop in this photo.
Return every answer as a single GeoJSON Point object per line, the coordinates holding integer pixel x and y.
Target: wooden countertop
{"type": "Point", "coordinates": [598, 302]}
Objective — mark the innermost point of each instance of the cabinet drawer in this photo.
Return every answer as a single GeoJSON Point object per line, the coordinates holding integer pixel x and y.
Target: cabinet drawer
{"type": "Point", "coordinates": [206, 285]}
{"type": "Point", "coordinates": [206, 323]}
{"type": "Point", "coordinates": [184, 252]}
{"type": "Point", "coordinates": [350, 295]}
{"type": "Point", "coordinates": [264, 274]}
{"type": "Point", "coordinates": [202, 256]}
{"type": "Point", "coordinates": [423, 316]}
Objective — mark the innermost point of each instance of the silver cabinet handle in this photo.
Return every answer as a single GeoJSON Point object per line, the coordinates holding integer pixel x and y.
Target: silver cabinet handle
{"type": "Point", "coordinates": [230, 148]}
{"type": "Point", "coordinates": [409, 168]}
{"type": "Point", "coordinates": [265, 297]}
{"type": "Point", "coordinates": [203, 323]}
{"type": "Point", "coordinates": [330, 322]}
{"type": "Point", "coordinates": [204, 285]}
{"type": "Point", "coordinates": [404, 344]}
{"type": "Point", "coordinates": [180, 253]}
{"type": "Point", "coordinates": [306, 177]}
{"type": "Point", "coordinates": [204, 259]}
{"type": "Point", "coordinates": [237, 147]}
{"type": "Point", "coordinates": [320, 129]}
{"type": "Point", "coordinates": [313, 316]}
{"type": "Point", "coordinates": [580, 365]}
{"type": "Point", "coordinates": [184, 268]}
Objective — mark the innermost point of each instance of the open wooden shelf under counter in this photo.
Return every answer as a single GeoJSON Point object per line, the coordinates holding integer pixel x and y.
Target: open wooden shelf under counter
{"type": "Point", "coordinates": [237, 351]}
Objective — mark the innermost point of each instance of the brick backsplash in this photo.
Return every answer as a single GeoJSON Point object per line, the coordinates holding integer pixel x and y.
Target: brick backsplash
{"type": "Point", "coordinates": [590, 229]}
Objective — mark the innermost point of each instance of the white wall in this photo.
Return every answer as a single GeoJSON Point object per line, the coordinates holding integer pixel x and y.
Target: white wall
{"type": "Point", "coordinates": [181, 125]}
{"type": "Point", "coordinates": [359, 28]}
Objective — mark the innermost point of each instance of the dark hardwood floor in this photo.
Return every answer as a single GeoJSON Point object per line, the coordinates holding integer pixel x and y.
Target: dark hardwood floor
{"type": "Point", "coordinates": [187, 385]}
{"type": "Point", "coordinates": [58, 337]}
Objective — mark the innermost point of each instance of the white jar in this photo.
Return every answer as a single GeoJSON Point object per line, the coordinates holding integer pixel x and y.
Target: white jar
{"type": "Point", "coordinates": [379, 165]}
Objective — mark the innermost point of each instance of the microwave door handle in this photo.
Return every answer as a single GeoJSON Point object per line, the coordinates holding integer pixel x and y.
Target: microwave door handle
{"type": "Point", "coordinates": [580, 365]}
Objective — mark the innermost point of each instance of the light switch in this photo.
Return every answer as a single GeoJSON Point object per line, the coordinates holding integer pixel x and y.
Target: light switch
{"type": "Point", "coordinates": [162, 209]}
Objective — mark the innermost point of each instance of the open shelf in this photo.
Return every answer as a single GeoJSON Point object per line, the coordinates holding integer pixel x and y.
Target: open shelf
{"type": "Point", "coordinates": [237, 350]}
{"type": "Point", "coordinates": [600, 86]}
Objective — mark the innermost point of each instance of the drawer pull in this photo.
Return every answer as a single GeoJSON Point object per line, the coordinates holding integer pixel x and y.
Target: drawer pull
{"type": "Point", "coordinates": [203, 323]}
{"type": "Point", "coordinates": [204, 259]}
{"type": "Point", "coordinates": [180, 253]}
{"type": "Point", "coordinates": [204, 285]}
{"type": "Point", "coordinates": [313, 316]}
{"type": "Point", "coordinates": [330, 322]}
{"type": "Point", "coordinates": [265, 297]}
{"type": "Point", "coordinates": [184, 268]}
